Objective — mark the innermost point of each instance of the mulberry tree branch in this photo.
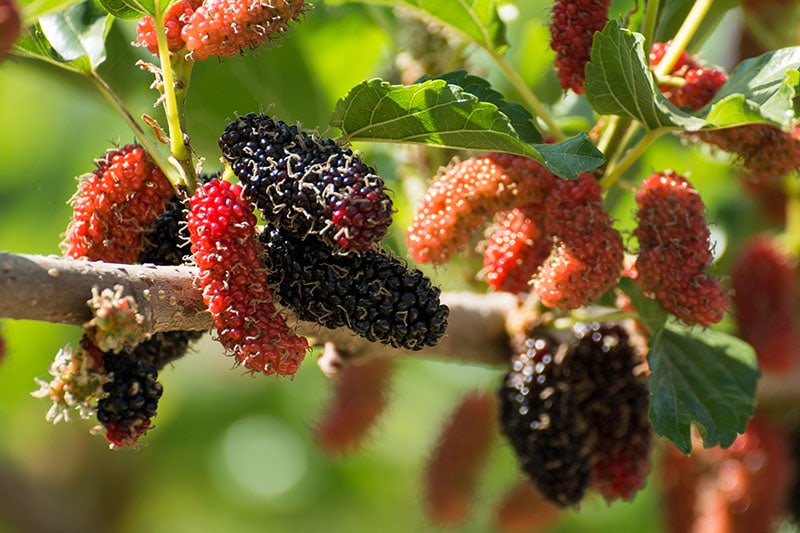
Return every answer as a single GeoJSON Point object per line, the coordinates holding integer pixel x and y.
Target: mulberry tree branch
{"type": "Point", "coordinates": [56, 289]}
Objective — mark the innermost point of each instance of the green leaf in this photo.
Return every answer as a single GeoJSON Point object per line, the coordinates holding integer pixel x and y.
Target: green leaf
{"type": "Point", "coordinates": [78, 35]}
{"type": "Point", "coordinates": [520, 119]}
{"type": "Point", "coordinates": [475, 20]}
{"type": "Point", "coordinates": [700, 377]}
{"type": "Point", "coordinates": [619, 81]}
{"type": "Point", "coordinates": [650, 311]}
{"type": "Point", "coordinates": [33, 9]}
{"type": "Point", "coordinates": [129, 9]}
{"type": "Point", "coordinates": [438, 113]}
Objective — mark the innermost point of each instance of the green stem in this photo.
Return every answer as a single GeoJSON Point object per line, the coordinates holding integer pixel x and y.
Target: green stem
{"type": "Point", "coordinates": [792, 232]}
{"type": "Point", "coordinates": [650, 20]}
{"type": "Point", "coordinates": [140, 134]}
{"type": "Point", "coordinates": [616, 170]}
{"type": "Point", "coordinates": [684, 36]}
{"type": "Point", "coordinates": [181, 154]}
{"type": "Point", "coordinates": [527, 95]}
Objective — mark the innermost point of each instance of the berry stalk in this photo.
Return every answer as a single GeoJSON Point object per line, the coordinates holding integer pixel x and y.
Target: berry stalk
{"type": "Point", "coordinates": [684, 36]}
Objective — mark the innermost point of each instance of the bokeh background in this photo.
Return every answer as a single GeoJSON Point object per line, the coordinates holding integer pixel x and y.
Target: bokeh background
{"type": "Point", "coordinates": [232, 452]}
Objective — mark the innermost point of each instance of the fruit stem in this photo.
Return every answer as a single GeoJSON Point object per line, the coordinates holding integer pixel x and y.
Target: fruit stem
{"type": "Point", "coordinates": [618, 167]}
{"type": "Point", "coordinates": [181, 154]}
{"type": "Point", "coordinates": [527, 95]}
{"type": "Point", "coordinates": [649, 25]}
{"type": "Point", "coordinates": [684, 36]}
{"type": "Point", "coordinates": [165, 166]}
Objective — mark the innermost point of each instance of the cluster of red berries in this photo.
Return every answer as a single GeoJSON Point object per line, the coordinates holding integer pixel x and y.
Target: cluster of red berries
{"type": "Point", "coordinates": [221, 28]}
{"type": "Point", "coordinates": [698, 85]}
{"type": "Point", "coordinates": [576, 414]}
{"type": "Point", "coordinates": [541, 236]}
{"type": "Point", "coordinates": [572, 29]}
{"type": "Point", "coordinates": [675, 250]}
{"type": "Point", "coordinates": [222, 229]}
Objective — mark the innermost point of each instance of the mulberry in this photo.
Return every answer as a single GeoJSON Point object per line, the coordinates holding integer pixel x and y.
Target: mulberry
{"type": "Point", "coordinates": [451, 475]}
{"type": "Point", "coordinates": [701, 86]}
{"type": "Point", "coordinates": [132, 398]}
{"type": "Point", "coordinates": [466, 194]}
{"type": "Point", "coordinates": [516, 249]}
{"type": "Point", "coordinates": [225, 28]}
{"type": "Point", "coordinates": [306, 184]}
{"type": "Point", "coordinates": [371, 293]}
{"type": "Point", "coordinates": [674, 250]}
{"type": "Point", "coordinates": [588, 254]}
{"type": "Point", "coordinates": [764, 295]}
{"type": "Point", "coordinates": [234, 282]}
{"type": "Point", "coordinates": [684, 63]}
{"type": "Point", "coordinates": [524, 510]}
{"type": "Point", "coordinates": [576, 413]}
{"type": "Point", "coordinates": [115, 205]}
{"type": "Point", "coordinates": [572, 29]}
{"type": "Point", "coordinates": [167, 241]}
{"type": "Point", "coordinates": [541, 416]}
{"type": "Point", "coordinates": [10, 25]}
{"type": "Point", "coordinates": [360, 397]}
{"type": "Point", "coordinates": [174, 19]}
{"type": "Point", "coordinates": [766, 151]}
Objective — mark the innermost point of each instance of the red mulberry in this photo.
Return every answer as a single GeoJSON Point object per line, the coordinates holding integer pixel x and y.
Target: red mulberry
{"type": "Point", "coordinates": [467, 194]}
{"type": "Point", "coordinates": [516, 249]}
{"type": "Point", "coordinates": [225, 28]}
{"type": "Point", "coordinates": [701, 86]}
{"type": "Point", "coordinates": [451, 475]}
{"type": "Point", "coordinates": [360, 396]}
{"type": "Point", "coordinates": [524, 510]}
{"type": "Point", "coordinates": [684, 62]}
{"type": "Point", "coordinates": [307, 185]}
{"type": "Point", "coordinates": [764, 295]}
{"type": "Point", "coordinates": [572, 29]}
{"type": "Point", "coordinates": [174, 19]}
{"type": "Point", "coordinates": [766, 151]}
{"type": "Point", "coordinates": [588, 254]}
{"type": "Point", "coordinates": [234, 281]}
{"type": "Point", "coordinates": [10, 25]}
{"type": "Point", "coordinates": [115, 206]}
{"type": "Point", "coordinates": [370, 292]}
{"type": "Point", "coordinates": [674, 250]}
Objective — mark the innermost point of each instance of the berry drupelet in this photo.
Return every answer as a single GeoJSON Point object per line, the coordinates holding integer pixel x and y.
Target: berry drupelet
{"type": "Point", "coordinates": [369, 292]}
{"type": "Point", "coordinates": [307, 184]}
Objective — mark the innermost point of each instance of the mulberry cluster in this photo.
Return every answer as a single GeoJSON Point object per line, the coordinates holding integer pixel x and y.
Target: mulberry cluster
{"type": "Point", "coordinates": [584, 264]}
{"type": "Point", "coordinates": [305, 184]}
{"type": "Point", "coordinates": [167, 240]}
{"type": "Point", "coordinates": [465, 194]}
{"type": "Point", "coordinates": [371, 293]}
{"type": "Point", "coordinates": [764, 295]}
{"type": "Point", "coordinates": [115, 206]}
{"type": "Point", "coordinates": [234, 282]}
{"type": "Point", "coordinates": [577, 414]}
{"type": "Point", "coordinates": [516, 248]}
{"type": "Point", "coordinates": [131, 398]}
{"type": "Point", "coordinates": [674, 250]}
{"type": "Point", "coordinates": [572, 29]}
{"type": "Point", "coordinates": [225, 28]}
{"type": "Point", "coordinates": [175, 18]}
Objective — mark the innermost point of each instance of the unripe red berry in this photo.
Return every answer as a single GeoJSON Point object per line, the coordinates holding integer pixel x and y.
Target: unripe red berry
{"type": "Point", "coordinates": [225, 28]}
{"type": "Point", "coordinates": [674, 250]}
{"type": "Point", "coordinates": [702, 84]}
{"type": "Point", "coordinates": [516, 249]}
{"type": "Point", "coordinates": [467, 194]}
{"type": "Point", "coordinates": [684, 62]}
{"type": "Point", "coordinates": [572, 28]}
{"type": "Point", "coordinates": [234, 281]}
{"type": "Point", "coordinates": [588, 253]}
{"type": "Point", "coordinates": [451, 475]}
{"type": "Point", "coordinates": [174, 19]}
{"type": "Point", "coordinates": [764, 295]}
{"type": "Point", "coordinates": [115, 206]}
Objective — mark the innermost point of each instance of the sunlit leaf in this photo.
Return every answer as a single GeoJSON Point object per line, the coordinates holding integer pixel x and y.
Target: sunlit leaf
{"type": "Point", "coordinates": [78, 34]}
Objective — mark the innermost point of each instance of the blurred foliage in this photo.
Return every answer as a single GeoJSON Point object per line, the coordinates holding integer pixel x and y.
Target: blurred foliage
{"type": "Point", "coordinates": [231, 452]}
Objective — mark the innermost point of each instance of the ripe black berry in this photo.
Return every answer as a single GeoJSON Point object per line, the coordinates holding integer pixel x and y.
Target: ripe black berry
{"type": "Point", "coordinates": [371, 293]}
{"type": "Point", "coordinates": [167, 242]}
{"type": "Point", "coordinates": [307, 184]}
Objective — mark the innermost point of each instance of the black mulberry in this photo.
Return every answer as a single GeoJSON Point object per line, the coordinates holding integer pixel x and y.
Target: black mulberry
{"type": "Point", "coordinates": [371, 293]}
{"type": "Point", "coordinates": [307, 184]}
{"type": "Point", "coordinates": [541, 416]}
{"type": "Point", "coordinates": [132, 398]}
